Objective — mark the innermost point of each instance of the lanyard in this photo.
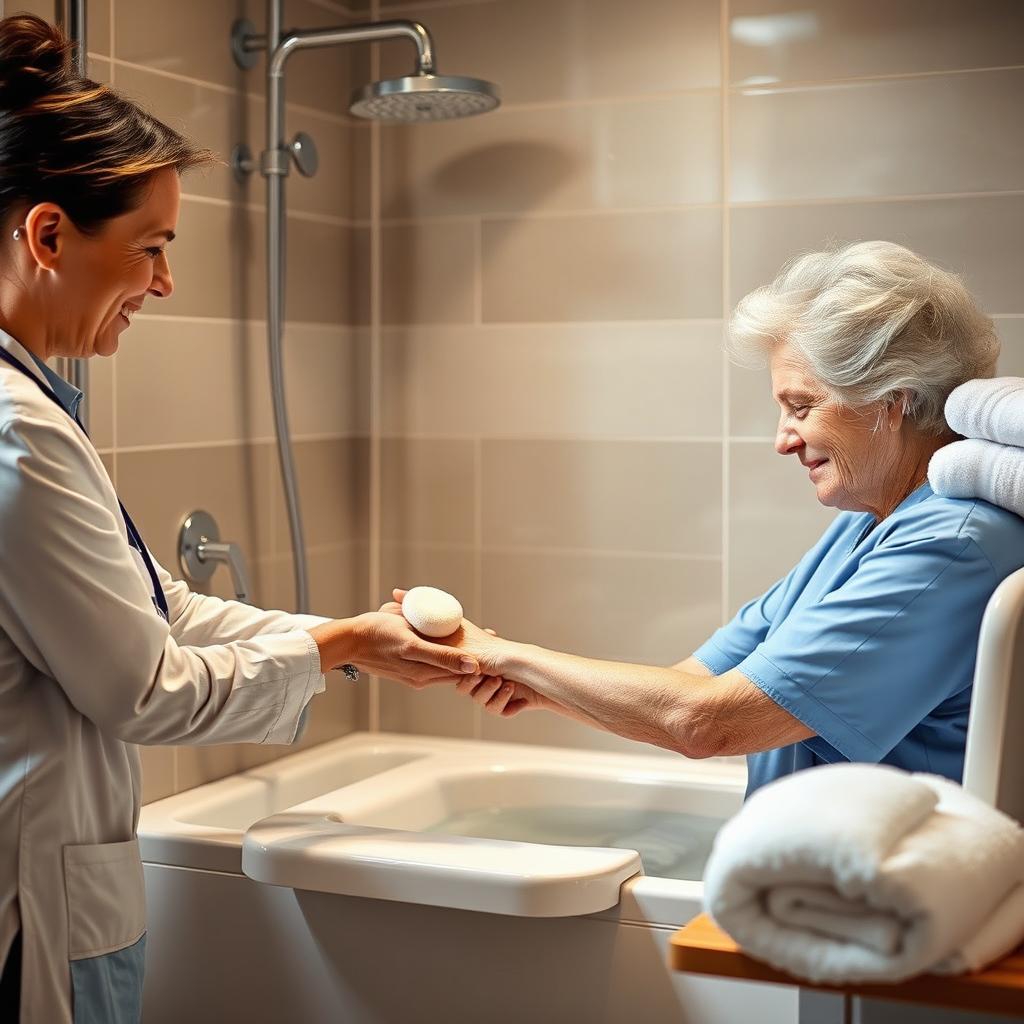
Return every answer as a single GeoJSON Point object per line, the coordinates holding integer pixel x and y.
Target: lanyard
{"type": "Point", "coordinates": [134, 537]}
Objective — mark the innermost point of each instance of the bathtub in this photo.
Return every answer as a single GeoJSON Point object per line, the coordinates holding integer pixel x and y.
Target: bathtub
{"type": "Point", "coordinates": [384, 879]}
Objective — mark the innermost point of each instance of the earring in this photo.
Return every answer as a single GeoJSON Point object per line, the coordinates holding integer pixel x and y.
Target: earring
{"type": "Point", "coordinates": [17, 232]}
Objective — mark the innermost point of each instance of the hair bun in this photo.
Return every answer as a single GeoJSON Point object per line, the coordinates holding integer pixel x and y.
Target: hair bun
{"type": "Point", "coordinates": [35, 60]}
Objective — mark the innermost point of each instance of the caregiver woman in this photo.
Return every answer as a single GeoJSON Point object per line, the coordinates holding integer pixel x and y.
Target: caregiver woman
{"type": "Point", "coordinates": [99, 648]}
{"type": "Point", "coordinates": [865, 651]}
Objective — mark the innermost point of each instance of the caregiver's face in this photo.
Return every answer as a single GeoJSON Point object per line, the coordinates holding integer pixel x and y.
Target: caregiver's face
{"type": "Point", "coordinates": [846, 456]}
{"type": "Point", "coordinates": [108, 275]}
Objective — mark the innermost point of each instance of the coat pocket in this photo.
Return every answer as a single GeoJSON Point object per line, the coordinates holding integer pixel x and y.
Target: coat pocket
{"type": "Point", "coordinates": [106, 897]}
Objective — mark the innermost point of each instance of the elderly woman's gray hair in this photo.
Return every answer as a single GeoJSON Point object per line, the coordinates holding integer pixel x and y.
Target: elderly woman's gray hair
{"type": "Point", "coordinates": [875, 322]}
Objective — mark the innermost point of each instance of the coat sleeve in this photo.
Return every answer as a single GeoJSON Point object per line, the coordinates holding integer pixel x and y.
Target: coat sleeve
{"type": "Point", "coordinates": [200, 619]}
{"type": "Point", "coordinates": [73, 601]}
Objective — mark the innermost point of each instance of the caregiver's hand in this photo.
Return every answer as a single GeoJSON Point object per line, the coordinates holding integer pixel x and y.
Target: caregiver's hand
{"type": "Point", "coordinates": [385, 644]}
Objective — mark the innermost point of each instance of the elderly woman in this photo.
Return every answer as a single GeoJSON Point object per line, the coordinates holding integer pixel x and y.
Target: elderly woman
{"type": "Point", "coordinates": [100, 649]}
{"type": "Point", "coordinates": [865, 651]}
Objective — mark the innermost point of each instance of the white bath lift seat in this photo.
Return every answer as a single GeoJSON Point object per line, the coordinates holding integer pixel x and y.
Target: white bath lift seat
{"type": "Point", "coordinates": [321, 854]}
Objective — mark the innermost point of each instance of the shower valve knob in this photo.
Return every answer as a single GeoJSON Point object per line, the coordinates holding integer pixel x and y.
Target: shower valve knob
{"type": "Point", "coordinates": [303, 150]}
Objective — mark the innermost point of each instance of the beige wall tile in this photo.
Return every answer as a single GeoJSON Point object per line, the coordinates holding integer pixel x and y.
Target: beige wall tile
{"type": "Point", "coordinates": [218, 262]}
{"type": "Point", "coordinates": [655, 610]}
{"type": "Point", "coordinates": [979, 238]}
{"type": "Point", "coordinates": [99, 400]}
{"type": "Point", "coordinates": [320, 276]}
{"type": "Point", "coordinates": [611, 495]}
{"type": "Point", "coordinates": [157, 773]}
{"type": "Point", "coordinates": [560, 49]}
{"type": "Point", "coordinates": [775, 39]}
{"type": "Point", "coordinates": [438, 710]}
{"type": "Point", "coordinates": [107, 458]}
{"type": "Point", "coordinates": [219, 120]}
{"type": "Point", "coordinates": [337, 580]}
{"type": "Point", "coordinates": [752, 410]}
{"type": "Point", "coordinates": [188, 381]}
{"type": "Point", "coordinates": [1011, 334]}
{"type": "Point", "coordinates": [774, 518]}
{"type": "Point", "coordinates": [199, 765]}
{"type": "Point", "coordinates": [192, 39]}
{"type": "Point", "coordinates": [450, 567]}
{"type": "Point", "coordinates": [231, 482]}
{"type": "Point", "coordinates": [428, 491]}
{"type": "Point", "coordinates": [98, 69]}
{"type": "Point", "coordinates": [332, 479]}
{"type": "Point", "coordinates": [433, 711]}
{"type": "Point", "coordinates": [327, 379]}
{"type": "Point", "coordinates": [428, 274]}
{"type": "Point", "coordinates": [657, 152]}
{"type": "Point", "coordinates": [637, 266]}
{"type": "Point", "coordinates": [97, 26]}
{"type": "Point", "coordinates": [607, 380]}
{"type": "Point", "coordinates": [195, 42]}
{"type": "Point", "coordinates": [949, 132]}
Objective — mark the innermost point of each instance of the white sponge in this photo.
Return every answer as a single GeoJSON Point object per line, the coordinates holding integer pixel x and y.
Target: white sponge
{"type": "Point", "coordinates": [432, 612]}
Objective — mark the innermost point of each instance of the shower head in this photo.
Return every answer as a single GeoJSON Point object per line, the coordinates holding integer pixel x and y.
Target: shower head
{"type": "Point", "coordinates": [425, 97]}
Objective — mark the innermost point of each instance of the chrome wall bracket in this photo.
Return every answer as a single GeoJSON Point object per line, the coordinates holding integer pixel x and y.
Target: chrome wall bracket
{"type": "Point", "coordinates": [200, 551]}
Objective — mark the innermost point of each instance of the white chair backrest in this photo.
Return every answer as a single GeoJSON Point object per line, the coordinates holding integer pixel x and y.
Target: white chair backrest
{"type": "Point", "coordinates": [994, 763]}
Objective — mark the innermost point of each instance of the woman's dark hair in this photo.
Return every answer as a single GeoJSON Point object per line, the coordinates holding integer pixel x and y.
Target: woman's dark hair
{"type": "Point", "coordinates": [67, 140]}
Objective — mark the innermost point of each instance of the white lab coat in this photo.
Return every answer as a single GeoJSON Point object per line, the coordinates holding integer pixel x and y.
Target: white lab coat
{"type": "Point", "coordinates": [88, 669]}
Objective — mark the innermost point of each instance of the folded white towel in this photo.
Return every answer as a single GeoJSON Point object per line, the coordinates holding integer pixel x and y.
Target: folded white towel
{"type": "Point", "coordinates": [989, 408]}
{"type": "Point", "coordinates": [980, 469]}
{"type": "Point", "coordinates": [853, 872]}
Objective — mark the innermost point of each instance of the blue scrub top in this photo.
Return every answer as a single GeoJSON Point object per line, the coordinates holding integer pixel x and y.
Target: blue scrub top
{"type": "Point", "coordinates": [871, 639]}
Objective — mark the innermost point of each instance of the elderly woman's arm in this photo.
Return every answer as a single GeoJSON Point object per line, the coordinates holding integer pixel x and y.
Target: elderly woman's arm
{"type": "Point", "coordinates": [696, 715]}
{"type": "Point", "coordinates": [683, 708]}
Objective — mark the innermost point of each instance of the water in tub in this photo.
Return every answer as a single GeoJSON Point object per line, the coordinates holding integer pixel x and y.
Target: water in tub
{"type": "Point", "coordinates": [670, 844]}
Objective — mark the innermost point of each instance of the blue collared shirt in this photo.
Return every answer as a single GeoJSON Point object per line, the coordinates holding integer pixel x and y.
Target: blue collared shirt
{"type": "Point", "coordinates": [67, 394]}
{"type": "Point", "coordinates": [871, 639]}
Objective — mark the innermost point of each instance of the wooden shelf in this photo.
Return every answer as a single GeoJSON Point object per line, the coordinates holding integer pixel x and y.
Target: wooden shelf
{"type": "Point", "coordinates": [701, 947]}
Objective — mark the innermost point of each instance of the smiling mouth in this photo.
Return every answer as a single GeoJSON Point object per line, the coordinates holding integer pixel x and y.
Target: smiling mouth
{"type": "Point", "coordinates": [127, 311]}
{"type": "Point", "coordinates": [812, 466]}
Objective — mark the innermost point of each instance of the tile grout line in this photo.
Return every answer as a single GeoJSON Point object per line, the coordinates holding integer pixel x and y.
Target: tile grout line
{"type": "Point", "coordinates": [726, 256]}
{"type": "Point", "coordinates": [526, 106]}
{"type": "Point", "coordinates": [604, 212]}
{"type": "Point", "coordinates": [376, 389]}
{"type": "Point", "coordinates": [478, 272]}
{"type": "Point", "coordinates": [478, 560]}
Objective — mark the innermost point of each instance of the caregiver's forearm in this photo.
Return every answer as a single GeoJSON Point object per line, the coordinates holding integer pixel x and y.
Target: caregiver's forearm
{"type": "Point", "coordinates": [654, 705]}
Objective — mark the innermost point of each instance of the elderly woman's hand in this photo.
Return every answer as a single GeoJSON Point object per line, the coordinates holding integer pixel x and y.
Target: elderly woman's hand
{"type": "Point", "coordinates": [488, 688]}
{"type": "Point", "coordinates": [486, 647]}
{"type": "Point", "coordinates": [500, 696]}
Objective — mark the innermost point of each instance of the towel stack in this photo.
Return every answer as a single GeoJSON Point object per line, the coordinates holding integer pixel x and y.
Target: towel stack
{"type": "Point", "coordinates": [989, 464]}
{"type": "Point", "coordinates": [852, 872]}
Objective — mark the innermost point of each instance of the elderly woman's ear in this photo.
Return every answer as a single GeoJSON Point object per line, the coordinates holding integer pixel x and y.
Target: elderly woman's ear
{"type": "Point", "coordinates": [897, 410]}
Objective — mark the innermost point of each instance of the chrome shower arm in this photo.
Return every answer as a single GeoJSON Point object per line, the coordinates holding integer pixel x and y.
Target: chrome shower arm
{"type": "Point", "coordinates": [371, 32]}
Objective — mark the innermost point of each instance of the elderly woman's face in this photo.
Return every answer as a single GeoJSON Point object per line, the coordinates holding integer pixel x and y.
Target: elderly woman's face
{"type": "Point", "coordinates": [107, 276]}
{"type": "Point", "coordinates": [848, 452]}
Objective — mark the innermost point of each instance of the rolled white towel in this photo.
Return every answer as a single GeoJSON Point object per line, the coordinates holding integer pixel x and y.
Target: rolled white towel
{"type": "Point", "coordinates": [989, 408]}
{"type": "Point", "coordinates": [854, 872]}
{"type": "Point", "coordinates": [980, 469]}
